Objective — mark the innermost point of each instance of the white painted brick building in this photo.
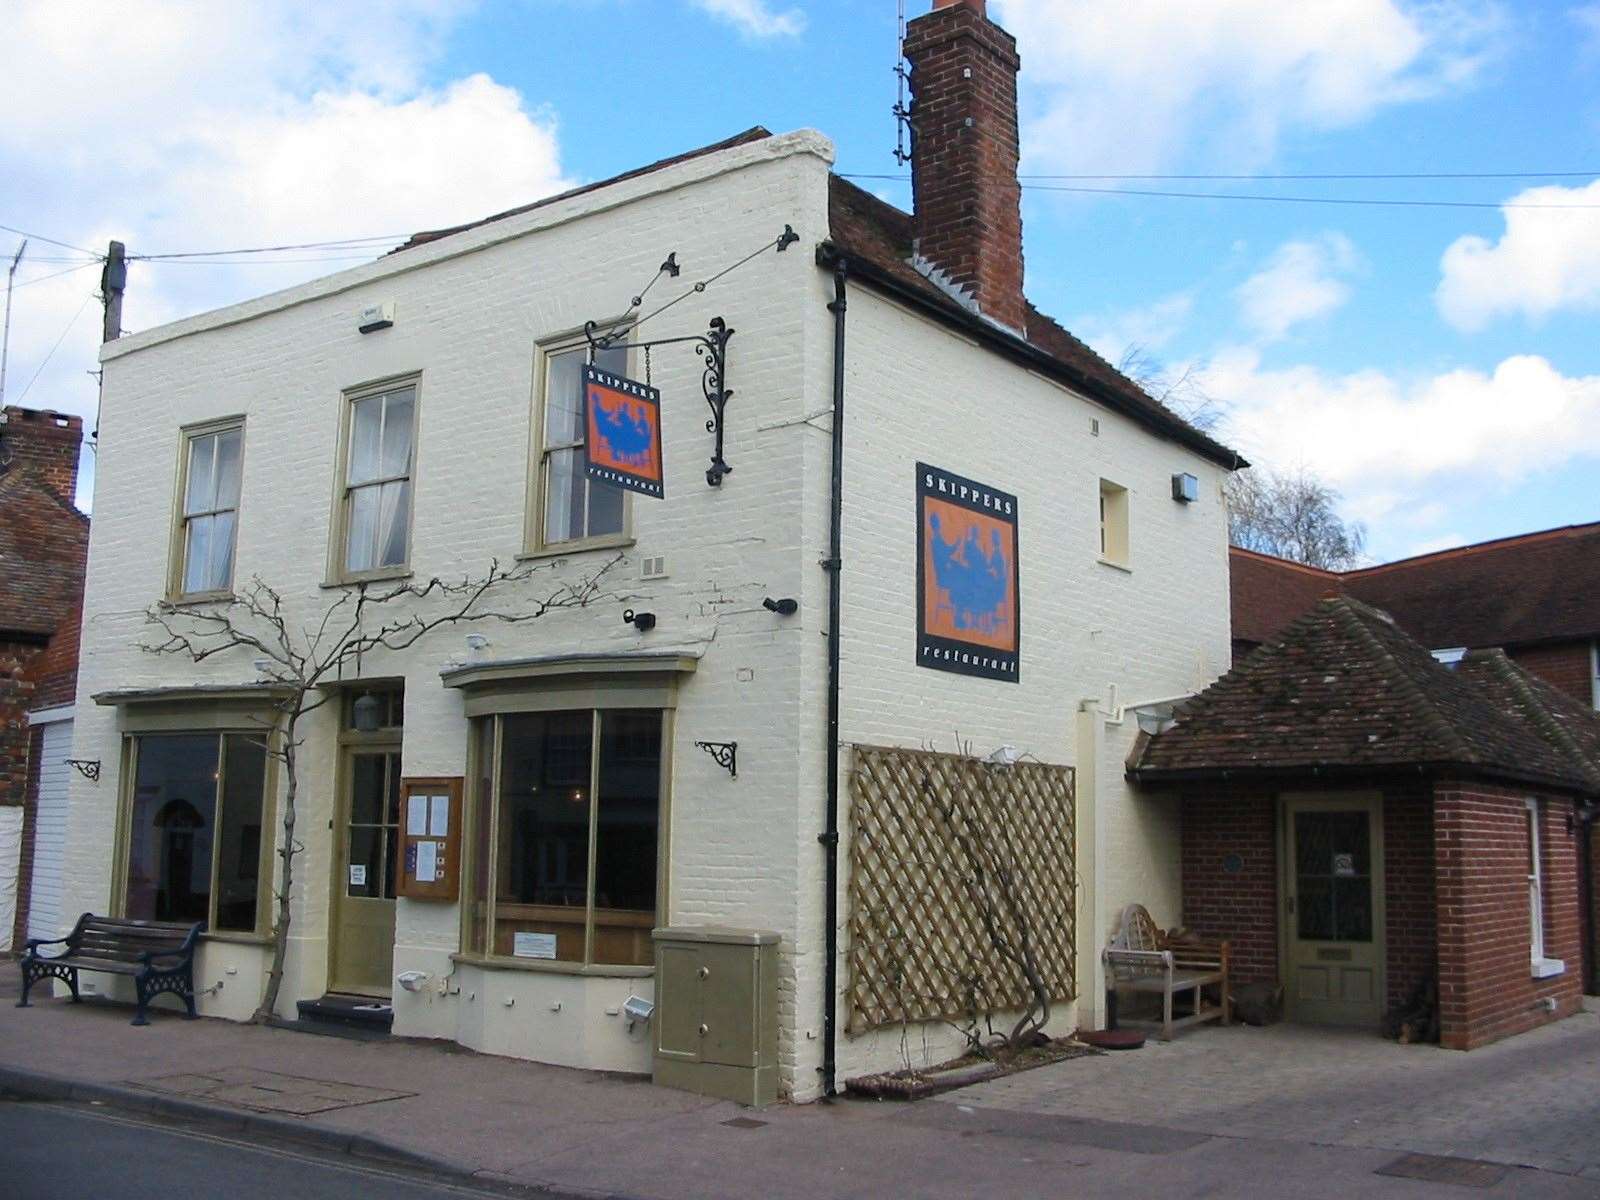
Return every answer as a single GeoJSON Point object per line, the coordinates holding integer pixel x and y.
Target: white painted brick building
{"type": "Point", "coordinates": [927, 378]}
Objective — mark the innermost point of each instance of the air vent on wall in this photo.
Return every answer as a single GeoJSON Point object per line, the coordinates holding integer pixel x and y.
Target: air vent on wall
{"type": "Point", "coordinates": [654, 567]}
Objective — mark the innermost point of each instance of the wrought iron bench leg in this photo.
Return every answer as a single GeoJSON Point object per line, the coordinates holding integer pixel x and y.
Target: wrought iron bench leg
{"type": "Point", "coordinates": [188, 997]}
{"type": "Point", "coordinates": [143, 995]}
{"type": "Point", "coordinates": [27, 984]}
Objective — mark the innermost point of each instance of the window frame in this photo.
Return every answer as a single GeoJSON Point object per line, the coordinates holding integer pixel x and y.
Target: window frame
{"type": "Point", "coordinates": [534, 542]}
{"type": "Point", "coordinates": [339, 512]}
{"type": "Point", "coordinates": [178, 539]}
{"type": "Point", "coordinates": [266, 864]}
{"type": "Point", "coordinates": [1115, 509]}
{"type": "Point", "coordinates": [1535, 881]}
{"type": "Point", "coordinates": [494, 723]}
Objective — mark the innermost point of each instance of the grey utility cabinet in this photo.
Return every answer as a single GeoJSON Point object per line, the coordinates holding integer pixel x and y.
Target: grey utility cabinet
{"type": "Point", "coordinates": [716, 1018]}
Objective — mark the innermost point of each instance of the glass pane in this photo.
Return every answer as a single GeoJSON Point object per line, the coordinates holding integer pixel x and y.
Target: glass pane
{"type": "Point", "coordinates": [200, 483]}
{"type": "Point", "coordinates": [362, 534]}
{"type": "Point", "coordinates": [563, 512]}
{"type": "Point", "coordinates": [197, 555]}
{"type": "Point", "coordinates": [614, 360]}
{"type": "Point", "coordinates": [563, 403]}
{"type": "Point", "coordinates": [366, 419]}
{"type": "Point", "coordinates": [626, 836]}
{"type": "Point", "coordinates": [230, 448]}
{"type": "Point", "coordinates": [482, 801]}
{"type": "Point", "coordinates": [397, 421]}
{"type": "Point", "coordinates": [1352, 910]}
{"type": "Point", "coordinates": [394, 522]}
{"type": "Point", "coordinates": [366, 861]}
{"type": "Point", "coordinates": [244, 775]}
{"type": "Point", "coordinates": [220, 572]}
{"type": "Point", "coordinates": [605, 509]}
{"type": "Point", "coordinates": [367, 789]}
{"type": "Point", "coordinates": [1333, 883]}
{"type": "Point", "coordinates": [171, 827]}
{"type": "Point", "coordinates": [542, 860]}
{"type": "Point", "coordinates": [391, 810]}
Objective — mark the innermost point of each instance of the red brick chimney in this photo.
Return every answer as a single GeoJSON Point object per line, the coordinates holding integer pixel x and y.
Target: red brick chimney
{"type": "Point", "coordinates": [967, 206]}
{"type": "Point", "coordinates": [43, 442]}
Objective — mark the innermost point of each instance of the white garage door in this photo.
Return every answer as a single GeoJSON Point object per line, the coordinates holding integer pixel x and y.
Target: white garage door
{"type": "Point", "coordinates": [50, 832]}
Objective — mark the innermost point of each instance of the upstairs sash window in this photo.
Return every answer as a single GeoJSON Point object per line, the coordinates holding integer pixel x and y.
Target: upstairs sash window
{"type": "Point", "coordinates": [377, 482]}
{"type": "Point", "coordinates": [212, 468]}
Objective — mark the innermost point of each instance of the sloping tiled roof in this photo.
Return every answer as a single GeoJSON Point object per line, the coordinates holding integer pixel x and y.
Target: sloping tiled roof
{"type": "Point", "coordinates": [1343, 690]}
{"type": "Point", "coordinates": [44, 542]}
{"type": "Point", "coordinates": [1537, 587]}
{"type": "Point", "coordinates": [1570, 728]}
{"type": "Point", "coordinates": [870, 231]}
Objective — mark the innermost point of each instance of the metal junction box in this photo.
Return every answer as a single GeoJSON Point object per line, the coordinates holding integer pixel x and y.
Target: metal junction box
{"type": "Point", "coordinates": [716, 1018]}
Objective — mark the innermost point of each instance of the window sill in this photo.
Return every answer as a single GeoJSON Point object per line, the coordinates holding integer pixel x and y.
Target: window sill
{"type": "Point", "coordinates": [620, 541]}
{"type": "Point", "coordinates": [551, 967]}
{"type": "Point", "coordinates": [193, 599]}
{"type": "Point", "coordinates": [1115, 565]}
{"type": "Point", "coordinates": [1548, 968]}
{"type": "Point", "coordinates": [240, 939]}
{"type": "Point", "coordinates": [384, 576]}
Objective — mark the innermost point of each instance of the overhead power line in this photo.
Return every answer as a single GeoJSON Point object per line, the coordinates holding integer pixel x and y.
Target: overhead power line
{"type": "Point", "coordinates": [351, 243]}
{"type": "Point", "coordinates": [1595, 174]}
{"type": "Point", "coordinates": [52, 241]}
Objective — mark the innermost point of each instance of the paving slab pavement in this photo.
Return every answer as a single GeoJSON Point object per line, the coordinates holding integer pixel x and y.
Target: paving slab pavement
{"type": "Point", "coordinates": [1077, 1128]}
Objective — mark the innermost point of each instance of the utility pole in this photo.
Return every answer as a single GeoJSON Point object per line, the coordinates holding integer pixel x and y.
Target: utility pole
{"type": "Point", "coordinates": [5, 339]}
{"type": "Point", "coordinates": [113, 279]}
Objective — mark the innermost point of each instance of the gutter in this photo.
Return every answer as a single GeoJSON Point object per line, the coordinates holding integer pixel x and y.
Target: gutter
{"type": "Point", "coordinates": [1031, 356]}
{"type": "Point", "coordinates": [833, 564]}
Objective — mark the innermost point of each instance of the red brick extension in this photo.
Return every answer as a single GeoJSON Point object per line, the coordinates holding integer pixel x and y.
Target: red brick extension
{"type": "Point", "coordinates": [1565, 666]}
{"type": "Point", "coordinates": [1468, 843]}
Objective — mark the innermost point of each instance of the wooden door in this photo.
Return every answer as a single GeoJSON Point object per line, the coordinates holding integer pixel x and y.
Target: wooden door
{"type": "Point", "coordinates": [364, 885]}
{"type": "Point", "coordinates": [1333, 909]}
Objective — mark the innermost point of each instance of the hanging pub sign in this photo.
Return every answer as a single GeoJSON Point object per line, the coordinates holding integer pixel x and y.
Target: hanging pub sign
{"type": "Point", "coordinates": [969, 611]}
{"type": "Point", "coordinates": [622, 429]}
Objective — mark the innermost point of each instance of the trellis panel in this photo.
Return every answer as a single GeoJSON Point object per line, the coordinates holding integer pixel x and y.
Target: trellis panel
{"type": "Point", "coordinates": [943, 844]}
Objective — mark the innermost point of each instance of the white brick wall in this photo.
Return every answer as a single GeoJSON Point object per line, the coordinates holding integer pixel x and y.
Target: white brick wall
{"type": "Point", "coordinates": [468, 313]}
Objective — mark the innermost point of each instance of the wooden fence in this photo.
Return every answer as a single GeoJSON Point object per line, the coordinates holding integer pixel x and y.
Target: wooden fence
{"type": "Point", "coordinates": [941, 846]}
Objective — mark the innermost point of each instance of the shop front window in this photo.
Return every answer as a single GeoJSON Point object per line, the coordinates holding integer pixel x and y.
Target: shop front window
{"type": "Point", "coordinates": [566, 837]}
{"type": "Point", "coordinates": [195, 830]}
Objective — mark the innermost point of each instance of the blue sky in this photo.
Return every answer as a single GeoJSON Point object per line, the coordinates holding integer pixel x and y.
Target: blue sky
{"type": "Point", "coordinates": [1438, 365]}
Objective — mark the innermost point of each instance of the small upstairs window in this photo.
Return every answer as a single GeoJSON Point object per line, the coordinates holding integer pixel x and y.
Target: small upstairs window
{"type": "Point", "coordinates": [570, 510]}
{"type": "Point", "coordinates": [1113, 524]}
{"type": "Point", "coordinates": [210, 471]}
{"type": "Point", "coordinates": [374, 517]}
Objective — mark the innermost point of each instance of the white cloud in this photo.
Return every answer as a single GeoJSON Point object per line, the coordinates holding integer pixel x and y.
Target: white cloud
{"type": "Point", "coordinates": [1148, 328]}
{"type": "Point", "coordinates": [1143, 84]}
{"type": "Point", "coordinates": [1387, 442]}
{"type": "Point", "coordinates": [1543, 262]}
{"type": "Point", "coordinates": [232, 126]}
{"type": "Point", "coordinates": [756, 18]}
{"type": "Point", "coordinates": [1303, 280]}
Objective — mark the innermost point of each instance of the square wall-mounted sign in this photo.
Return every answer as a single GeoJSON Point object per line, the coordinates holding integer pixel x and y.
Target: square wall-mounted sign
{"type": "Point", "coordinates": [622, 432]}
{"type": "Point", "coordinates": [969, 605]}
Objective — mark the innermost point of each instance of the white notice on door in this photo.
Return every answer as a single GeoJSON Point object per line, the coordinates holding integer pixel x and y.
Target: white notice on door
{"type": "Point", "coordinates": [358, 875]}
{"type": "Point", "coordinates": [417, 816]}
{"type": "Point", "coordinates": [533, 945]}
{"type": "Point", "coordinates": [439, 816]}
{"type": "Point", "coordinates": [427, 861]}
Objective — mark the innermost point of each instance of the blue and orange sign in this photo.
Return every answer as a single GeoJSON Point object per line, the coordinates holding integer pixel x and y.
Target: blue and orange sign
{"type": "Point", "coordinates": [969, 617]}
{"type": "Point", "coordinates": [622, 431]}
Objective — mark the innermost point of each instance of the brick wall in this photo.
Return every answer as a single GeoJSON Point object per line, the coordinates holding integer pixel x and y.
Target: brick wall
{"type": "Point", "coordinates": [1565, 666]}
{"type": "Point", "coordinates": [1408, 889]}
{"type": "Point", "coordinates": [44, 443]}
{"type": "Point", "coordinates": [16, 698]}
{"type": "Point", "coordinates": [1240, 906]}
{"type": "Point", "coordinates": [1481, 849]}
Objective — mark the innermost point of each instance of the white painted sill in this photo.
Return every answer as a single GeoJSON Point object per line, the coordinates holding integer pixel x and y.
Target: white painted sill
{"type": "Point", "coordinates": [1115, 565]}
{"type": "Point", "coordinates": [1548, 968]}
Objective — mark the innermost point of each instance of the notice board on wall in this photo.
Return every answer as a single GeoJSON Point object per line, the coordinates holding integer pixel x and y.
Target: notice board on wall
{"type": "Point", "coordinates": [428, 851]}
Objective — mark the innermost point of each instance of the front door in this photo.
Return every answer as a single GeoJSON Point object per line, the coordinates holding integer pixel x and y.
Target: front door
{"type": "Point", "coordinates": [363, 944]}
{"type": "Point", "coordinates": [1333, 906]}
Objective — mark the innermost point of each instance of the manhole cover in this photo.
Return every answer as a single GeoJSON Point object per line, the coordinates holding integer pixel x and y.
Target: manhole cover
{"type": "Point", "coordinates": [1436, 1168]}
{"type": "Point", "coordinates": [744, 1123]}
{"type": "Point", "coordinates": [269, 1091]}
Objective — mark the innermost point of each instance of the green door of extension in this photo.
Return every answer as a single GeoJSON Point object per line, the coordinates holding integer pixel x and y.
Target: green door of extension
{"type": "Point", "coordinates": [1333, 909]}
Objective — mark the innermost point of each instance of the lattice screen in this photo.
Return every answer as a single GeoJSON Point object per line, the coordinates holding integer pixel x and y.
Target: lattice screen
{"type": "Point", "coordinates": [932, 834]}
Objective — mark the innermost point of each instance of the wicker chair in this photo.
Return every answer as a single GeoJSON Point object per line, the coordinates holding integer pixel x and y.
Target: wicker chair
{"type": "Point", "coordinates": [1143, 958]}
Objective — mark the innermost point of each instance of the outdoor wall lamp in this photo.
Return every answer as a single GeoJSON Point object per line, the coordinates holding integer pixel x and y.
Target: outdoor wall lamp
{"type": "Point", "coordinates": [644, 622]}
{"type": "Point", "coordinates": [477, 641]}
{"type": "Point", "coordinates": [784, 608]}
{"type": "Point", "coordinates": [364, 713]}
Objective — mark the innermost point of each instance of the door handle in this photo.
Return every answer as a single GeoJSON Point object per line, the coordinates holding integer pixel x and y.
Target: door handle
{"type": "Point", "coordinates": [704, 1029]}
{"type": "Point", "coordinates": [705, 972]}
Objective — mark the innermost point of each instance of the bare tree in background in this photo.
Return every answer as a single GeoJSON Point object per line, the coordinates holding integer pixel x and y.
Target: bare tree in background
{"type": "Point", "coordinates": [1179, 390]}
{"type": "Point", "coordinates": [299, 661]}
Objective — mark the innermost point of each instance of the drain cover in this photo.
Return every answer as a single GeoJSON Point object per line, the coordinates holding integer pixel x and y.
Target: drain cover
{"type": "Point", "coordinates": [1438, 1169]}
{"type": "Point", "coordinates": [744, 1123]}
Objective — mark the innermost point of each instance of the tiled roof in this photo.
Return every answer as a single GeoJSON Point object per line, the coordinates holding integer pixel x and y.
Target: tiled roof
{"type": "Point", "coordinates": [1344, 690]}
{"type": "Point", "coordinates": [44, 542]}
{"type": "Point", "coordinates": [868, 230]}
{"type": "Point", "coordinates": [1538, 587]}
{"type": "Point", "coordinates": [1569, 728]}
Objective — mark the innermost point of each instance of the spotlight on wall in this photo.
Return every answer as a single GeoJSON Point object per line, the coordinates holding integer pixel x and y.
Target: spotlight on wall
{"type": "Point", "coordinates": [644, 622]}
{"type": "Point", "coordinates": [262, 665]}
{"type": "Point", "coordinates": [477, 641]}
{"type": "Point", "coordinates": [412, 981]}
{"type": "Point", "coordinates": [784, 608]}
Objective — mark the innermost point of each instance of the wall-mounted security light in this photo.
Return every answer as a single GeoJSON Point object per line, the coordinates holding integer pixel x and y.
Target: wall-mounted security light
{"type": "Point", "coordinates": [477, 641]}
{"type": "Point", "coordinates": [1185, 488]}
{"type": "Point", "coordinates": [644, 622]}
{"type": "Point", "coordinates": [375, 317]}
{"type": "Point", "coordinates": [784, 608]}
{"type": "Point", "coordinates": [412, 981]}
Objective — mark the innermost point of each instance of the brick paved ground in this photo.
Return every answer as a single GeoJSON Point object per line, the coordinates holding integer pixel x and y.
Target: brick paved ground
{"type": "Point", "coordinates": [1532, 1100]}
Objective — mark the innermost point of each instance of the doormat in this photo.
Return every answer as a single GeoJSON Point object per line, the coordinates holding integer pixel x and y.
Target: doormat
{"type": "Point", "coordinates": [268, 1091]}
{"type": "Point", "coordinates": [1436, 1168]}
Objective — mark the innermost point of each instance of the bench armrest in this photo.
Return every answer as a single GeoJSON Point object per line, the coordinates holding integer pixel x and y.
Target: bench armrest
{"type": "Point", "coordinates": [35, 943]}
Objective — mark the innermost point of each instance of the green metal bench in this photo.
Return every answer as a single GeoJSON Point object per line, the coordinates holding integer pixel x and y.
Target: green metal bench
{"type": "Point", "coordinates": [159, 955]}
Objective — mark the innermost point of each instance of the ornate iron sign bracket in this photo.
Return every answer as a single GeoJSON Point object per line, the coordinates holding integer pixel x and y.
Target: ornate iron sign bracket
{"type": "Point", "coordinates": [726, 755]}
{"type": "Point", "coordinates": [89, 768]}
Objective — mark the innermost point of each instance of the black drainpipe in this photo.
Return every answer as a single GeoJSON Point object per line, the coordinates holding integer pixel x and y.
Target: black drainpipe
{"type": "Point", "coordinates": [833, 564]}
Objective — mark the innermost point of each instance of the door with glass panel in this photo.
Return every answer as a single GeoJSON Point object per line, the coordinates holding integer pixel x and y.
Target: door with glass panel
{"type": "Point", "coordinates": [363, 950]}
{"type": "Point", "coordinates": [1333, 909]}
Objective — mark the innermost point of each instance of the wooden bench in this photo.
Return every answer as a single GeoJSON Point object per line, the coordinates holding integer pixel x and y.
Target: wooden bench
{"type": "Point", "coordinates": [1143, 958]}
{"type": "Point", "coordinates": [159, 955]}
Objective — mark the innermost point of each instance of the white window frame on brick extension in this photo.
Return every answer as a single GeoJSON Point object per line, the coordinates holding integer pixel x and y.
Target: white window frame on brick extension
{"type": "Point", "coordinates": [346, 490]}
{"type": "Point", "coordinates": [1594, 672]}
{"type": "Point", "coordinates": [209, 508]}
{"type": "Point", "coordinates": [1542, 967]}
